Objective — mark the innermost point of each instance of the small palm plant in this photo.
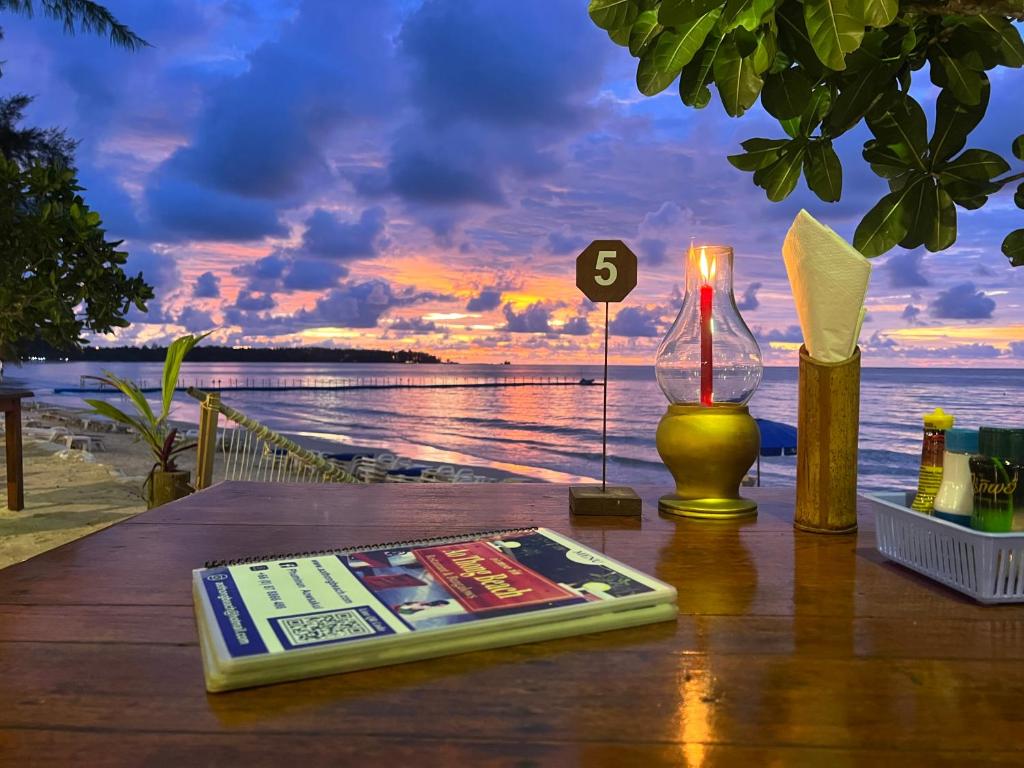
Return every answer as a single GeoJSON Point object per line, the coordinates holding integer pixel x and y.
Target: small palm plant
{"type": "Point", "coordinates": [155, 431]}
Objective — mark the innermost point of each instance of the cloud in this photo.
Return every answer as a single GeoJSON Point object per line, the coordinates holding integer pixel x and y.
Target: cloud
{"type": "Point", "coordinates": [249, 302]}
{"type": "Point", "coordinates": [207, 286]}
{"type": "Point", "coordinates": [910, 314]}
{"type": "Point", "coordinates": [533, 319]}
{"type": "Point", "coordinates": [331, 238]}
{"type": "Point", "coordinates": [195, 320]}
{"type": "Point", "coordinates": [183, 210]}
{"type": "Point", "coordinates": [904, 270]}
{"type": "Point", "coordinates": [652, 252]}
{"type": "Point", "coordinates": [497, 90]}
{"type": "Point", "coordinates": [350, 305]}
{"type": "Point", "coordinates": [562, 244]}
{"type": "Point", "coordinates": [263, 134]}
{"type": "Point", "coordinates": [1017, 348]}
{"type": "Point", "coordinates": [749, 301]}
{"type": "Point", "coordinates": [962, 302]}
{"type": "Point", "coordinates": [486, 300]}
{"type": "Point", "coordinates": [791, 335]}
{"type": "Point", "coordinates": [414, 325]}
{"type": "Point", "coordinates": [311, 275]}
{"type": "Point", "coordinates": [636, 321]}
{"type": "Point", "coordinates": [577, 326]}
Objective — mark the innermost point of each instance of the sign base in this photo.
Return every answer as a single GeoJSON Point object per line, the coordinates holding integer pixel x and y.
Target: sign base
{"type": "Point", "coordinates": [615, 500]}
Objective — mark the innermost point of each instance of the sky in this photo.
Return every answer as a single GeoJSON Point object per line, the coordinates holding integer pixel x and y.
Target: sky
{"type": "Point", "coordinates": [423, 173]}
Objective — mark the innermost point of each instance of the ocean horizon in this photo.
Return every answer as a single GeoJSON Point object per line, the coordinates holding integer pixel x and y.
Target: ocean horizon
{"type": "Point", "coordinates": [553, 433]}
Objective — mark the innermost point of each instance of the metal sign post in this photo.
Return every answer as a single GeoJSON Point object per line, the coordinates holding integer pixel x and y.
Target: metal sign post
{"type": "Point", "coordinates": [605, 272]}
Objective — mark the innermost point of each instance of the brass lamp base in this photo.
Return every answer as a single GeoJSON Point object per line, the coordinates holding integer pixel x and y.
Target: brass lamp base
{"type": "Point", "coordinates": [708, 450]}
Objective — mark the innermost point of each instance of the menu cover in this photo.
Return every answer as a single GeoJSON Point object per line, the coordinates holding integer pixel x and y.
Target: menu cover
{"type": "Point", "coordinates": [282, 618]}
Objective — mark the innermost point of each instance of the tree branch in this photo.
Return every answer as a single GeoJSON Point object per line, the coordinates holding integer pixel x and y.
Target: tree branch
{"type": "Point", "coordinates": [1014, 8]}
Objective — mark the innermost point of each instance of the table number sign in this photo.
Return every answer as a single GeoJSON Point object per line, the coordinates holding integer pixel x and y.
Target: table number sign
{"type": "Point", "coordinates": [605, 272]}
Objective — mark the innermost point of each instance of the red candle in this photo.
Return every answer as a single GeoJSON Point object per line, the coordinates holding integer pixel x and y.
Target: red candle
{"type": "Point", "coordinates": [707, 297]}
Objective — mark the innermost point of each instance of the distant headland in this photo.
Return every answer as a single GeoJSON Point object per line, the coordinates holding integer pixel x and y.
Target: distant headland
{"type": "Point", "coordinates": [213, 354]}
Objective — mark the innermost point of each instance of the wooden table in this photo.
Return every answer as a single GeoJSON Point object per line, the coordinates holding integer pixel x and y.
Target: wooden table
{"type": "Point", "coordinates": [10, 404]}
{"type": "Point", "coordinates": [791, 649]}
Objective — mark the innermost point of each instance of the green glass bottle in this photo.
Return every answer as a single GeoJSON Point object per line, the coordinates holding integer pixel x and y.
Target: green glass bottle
{"type": "Point", "coordinates": [998, 478]}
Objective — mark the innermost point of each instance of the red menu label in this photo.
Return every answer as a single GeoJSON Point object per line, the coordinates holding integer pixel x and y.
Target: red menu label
{"type": "Point", "coordinates": [483, 579]}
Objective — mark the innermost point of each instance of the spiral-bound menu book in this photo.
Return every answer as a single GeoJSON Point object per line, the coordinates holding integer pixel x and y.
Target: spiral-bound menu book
{"type": "Point", "coordinates": [275, 618]}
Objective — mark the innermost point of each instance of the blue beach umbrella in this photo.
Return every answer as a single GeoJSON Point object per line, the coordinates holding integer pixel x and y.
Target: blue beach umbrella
{"type": "Point", "coordinates": [777, 439]}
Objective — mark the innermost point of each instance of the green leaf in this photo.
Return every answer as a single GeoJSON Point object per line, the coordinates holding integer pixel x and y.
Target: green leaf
{"type": "Point", "coordinates": [144, 429]}
{"type": "Point", "coordinates": [954, 74]}
{"type": "Point", "coordinates": [918, 212]}
{"type": "Point", "coordinates": [620, 36]}
{"type": "Point", "coordinates": [746, 41]}
{"type": "Point", "coordinates": [954, 122]}
{"type": "Point", "coordinates": [875, 13]}
{"type": "Point", "coordinates": [857, 94]}
{"type": "Point", "coordinates": [767, 52]}
{"type": "Point", "coordinates": [643, 31]}
{"type": "Point", "coordinates": [833, 30]}
{"type": "Point", "coordinates": [817, 107]}
{"type": "Point", "coordinates": [1018, 147]}
{"type": "Point", "coordinates": [738, 83]}
{"type": "Point", "coordinates": [795, 41]}
{"type": "Point", "coordinates": [779, 179]}
{"type": "Point", "coordinates": [904, 128]}
{"type": "Point", "coordinates": [1018, 196]}
{"type": "Point", "coordinates": [977, 165]}
{"type": "Point", "coordinates": [674, 12]}
{"type": "Point", "coordinates": [885, 224]}
{"type": "Point", "coordinates": [649, 79]}
{"type": "Point", "coordinates": [612, 14]}
{"type": "Point", "coordinates": [1011, 48]}
{"type": "Point", "coordinates": [885, 161]}
{"type": "Point", "coordinates": [823, 171]}
{"type": "Point", "coordinates": [695, 77]}
{"type": "Point", "coordinates": [759, 153]}
{"type": "Point", "coordinates": [676, 48]}
{"type": "Point", "coordinates": [942, 224]}
{"type": "Point", "coordinates": [751, 14]}
{"type": "Point", "coordinates": [172, 365]}
{"type": "Point", "coordinates": [786, 94]}
{"type": "Point", "coordinates": [1013, 247]}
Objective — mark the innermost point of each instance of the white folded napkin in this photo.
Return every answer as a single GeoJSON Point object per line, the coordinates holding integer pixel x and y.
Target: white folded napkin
{"type": "Point", "coordinates": [829, 278]}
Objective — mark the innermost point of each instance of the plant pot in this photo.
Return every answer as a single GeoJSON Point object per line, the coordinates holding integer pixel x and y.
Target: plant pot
{"type": "Point", "coordinates": [167, 486]}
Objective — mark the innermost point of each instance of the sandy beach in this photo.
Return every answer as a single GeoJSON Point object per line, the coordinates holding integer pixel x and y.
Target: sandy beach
{"type": "Point", "coordinates": [70, 493]}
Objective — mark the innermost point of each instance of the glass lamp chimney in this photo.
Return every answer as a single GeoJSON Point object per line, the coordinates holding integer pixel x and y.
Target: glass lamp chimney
{"type": "Point", "coordinates": [709, 355]}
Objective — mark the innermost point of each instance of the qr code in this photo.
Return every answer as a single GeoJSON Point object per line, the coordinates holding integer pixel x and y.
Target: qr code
{"type": "Point", "coordinates": [344, 624]}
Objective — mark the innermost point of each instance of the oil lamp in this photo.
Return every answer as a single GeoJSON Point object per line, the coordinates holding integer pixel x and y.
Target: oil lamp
{"type": "Point", "coordinates": [708, 366]}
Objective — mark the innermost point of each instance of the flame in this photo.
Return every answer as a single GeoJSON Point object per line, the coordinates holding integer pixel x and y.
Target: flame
{"type": "Point", "coordinates": [707, 268]}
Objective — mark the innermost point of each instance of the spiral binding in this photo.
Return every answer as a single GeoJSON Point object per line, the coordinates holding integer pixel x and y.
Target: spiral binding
{"type": "Point", "coordinates": [366, 547]}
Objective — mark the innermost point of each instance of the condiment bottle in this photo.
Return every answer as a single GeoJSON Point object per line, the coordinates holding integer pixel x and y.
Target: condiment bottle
{"type": "Point", "coordinates": [998, 475]}
{"type": "Point", "coordinates": [955, 500]}
{"type": "Point", "coordinates": [935, 425]}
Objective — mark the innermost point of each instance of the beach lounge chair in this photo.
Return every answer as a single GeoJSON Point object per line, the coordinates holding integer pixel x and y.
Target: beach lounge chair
{"type": "Point", "coordinates": [83, 443]}
{"type": "Point", "coordinates": [253, 451]}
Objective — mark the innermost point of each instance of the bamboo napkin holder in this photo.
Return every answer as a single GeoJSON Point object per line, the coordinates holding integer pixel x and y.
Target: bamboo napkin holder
{"type": "Point", "coordinates": [828, 421]}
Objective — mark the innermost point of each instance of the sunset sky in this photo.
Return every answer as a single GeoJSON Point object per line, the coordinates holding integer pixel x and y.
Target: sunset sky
{"type": "Point", "coordinates": [422, 175]}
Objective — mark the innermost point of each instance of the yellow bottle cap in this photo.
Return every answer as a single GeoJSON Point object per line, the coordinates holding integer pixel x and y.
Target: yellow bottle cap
{"type": "Point", "coordinates": [939, 419]}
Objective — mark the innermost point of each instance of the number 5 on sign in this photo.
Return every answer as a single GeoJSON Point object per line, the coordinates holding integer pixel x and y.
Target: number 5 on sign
{"type": "Point", "coordinates": [604, 263]}
{"type": "Point", "coordinates": [606, 271]}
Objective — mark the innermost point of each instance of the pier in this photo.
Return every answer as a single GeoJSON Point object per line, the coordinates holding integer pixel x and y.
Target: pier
{"type": "Point", "coordinates": [337, 384]}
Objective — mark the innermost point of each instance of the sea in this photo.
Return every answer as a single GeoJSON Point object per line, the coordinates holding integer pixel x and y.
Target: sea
{"type": "Point", "coordinates": [550, 433]}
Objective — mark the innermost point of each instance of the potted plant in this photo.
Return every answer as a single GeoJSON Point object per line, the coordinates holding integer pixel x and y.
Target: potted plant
{"type": "Point", "coordinates": [165, 481]}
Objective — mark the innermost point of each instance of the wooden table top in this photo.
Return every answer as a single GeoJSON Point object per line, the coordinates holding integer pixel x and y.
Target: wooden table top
{"type": "Point", "coordinates": [14, 394]}
{"type": "Point", "coordinates": [791, 648]}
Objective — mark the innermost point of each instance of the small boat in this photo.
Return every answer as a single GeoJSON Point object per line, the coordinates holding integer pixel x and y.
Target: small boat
{"type": "Point", "coordinates": [587, 382]}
